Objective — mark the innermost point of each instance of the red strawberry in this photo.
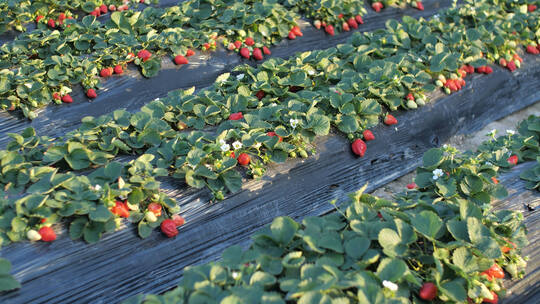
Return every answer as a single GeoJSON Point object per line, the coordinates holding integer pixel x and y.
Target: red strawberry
{"type": "Point", "coordinates": [260, 94]}
{"type": "Point", "coordinates": [94, 13]}
{"type": "Point", "coordinates": [329, 29]}
{"type": "Point", "coordinates": [377, 6]}
{"type": "Point", "coordinates": [190, 52]}
{"type": "Point", "coordinates": [39, 18]}
{"type": "Point", "coordinates": [272, 133]}
{"type": "Point", "coordinates": [410, 96]}
{"type": "Point", "coordinates": [238, 44]}
{"type": "Point", "coordinates": [470, 69]}
{"type": "Point", "coordinates": [47, 234]}
{"type": "Point", "coordinates": [481, 69]}
{"type": "Point", "coordinates": [428, 291]}
{"type": "Point", "coordinates": [130, 57]}
{"type": "Point", "coordinates": [206, 46]}
{"type": "Point", "coordinates": [291, 35]}
{"type": "Point", "coordinates": [488, 70]}
{"type": "Point", "coordinates": [296, 30]}
{"type": "Point", "coordinates": [51, 23]}
{"type": "Point", "coordinates": [345, 27]}
{"type": "Point", "coordinates": [411, 186]}
{"type": "Point", "coordinates": [257, 54]}
{"type": "Point", "coordinates": [244, 52]}
{"type": "Point", "coordinates": [419, 5]}
{"type": "Point", "coordinates": [359, 147]}
{"type": "Point", "coordinates": [531, 49]}
{"type": "Point", "coordinates": [243, 159]}
{"type": "Point", "coordinates": [178, 220]}
{"type": "Point", "coordinates": [266, 51]}
{"type": "Point", "coordinates": [103, 9]}
{"type": "Point", "coordinates": [236, 116]}
{"type": "Point", "coordinates": [112, 7]}
{"type": "Point", "coordinates": [179, 59]}
{"type": "Point", "coordinates": [144, 55]}
{"type": "Point", "coordinates": [506, 249]}
{"type": "Point", "coordinates": [379, 215]}
{"type": "Point", "coordinates": [390, 120]}
{"type": "Point", "coordinates": [317, 24]}
{"type": "Point", "coordinates": [56, 96]}
{"type": "Point", "coordinates": [359, 19]}
{"type": "Point", "coordinates": [67, 99]}
{"type": "Point", "coordinates": [232, 155]}
{"type": "Point", "coordinates": [124, 7]}
{"type": "Point", "coordinates": [513, 160]}
{"type": "Point", "coordinates": [121, 209]}
{"type": "Point", "coordinates": [511, 65]}
{"type": "Point", "coordinates": [168, 227]}
{"type": "Point", "coordinates": [352, 23]}
{"type": "Point", "coordinates": [531, 8]}
{"type": "Point", "coordinates": [118, 69]}
{"type": "Point", "coordinates": [340, 16]}
{"type": "Point", "coordinates": [155, 208]}
{"type": "Point", "coordinates": [494, 180]}
{"type": "Point", "coordinates": [61, 16]}
{"type": "Point", "coordinates": [91, 93]}
{"type": "Point", "coordinates": [249, 41]}
{"type": "Point", "coordinates": [106, 72]}
{"type": "Point", "coordinates": [495, 271]}
{"type": "Point", "coordinates": [495, 299]}
{"type": "Point", "coordinates": [368, 135]}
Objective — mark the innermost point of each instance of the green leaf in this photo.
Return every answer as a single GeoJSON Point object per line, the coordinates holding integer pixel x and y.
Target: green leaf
{"type": "Point", "coordinates": [427, 223]}
{"type": "Point", "coordinates": [432, 158]}
{"type": "Point", "coordinates": [283, 230]}
{"type": "Point", "coordinates": [391, 269]}
{"type": "Point", "coordinates": [100, 214]}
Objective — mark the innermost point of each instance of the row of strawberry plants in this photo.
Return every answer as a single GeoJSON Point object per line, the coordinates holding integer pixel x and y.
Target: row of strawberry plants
{"type": "Point", "coordinates": [261, 115]}
{"type": "Point", "coordinates": [440, 241]}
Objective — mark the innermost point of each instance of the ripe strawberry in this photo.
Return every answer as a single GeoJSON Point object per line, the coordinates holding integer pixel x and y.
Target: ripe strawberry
{"type": "Point", "coordinates": [428, 291]}
{"type": "Point", "coordinates": [106, 72]}
{"type": "Point", "coordinates": [257, 54]}
{"type": "Point", "coordinates": [118, 69]}
{"type": "Point", "coordinates": [121, 209]}
{"type": "Point", "coordinates": [410, 96]}
{"type": "Point", "coordinates": [47, 234]}
{"type": "Point", "coordinates": [249, 41]}
{"type": "Point", "coordinates": [51, 23]}
{"type": "Point", "coordinates": [377, 6]}
{"type": "Point", "coordinates": [411, 186]}
{"type": "Point", "coordinates": [291, 35]}
{"type": "Point", "coordinates": [317, 24]}
{"type": "Point", "coordinates": [368, 135]}
{"type": "Point", "coordinates": [190, 52]}
{"type": "Point", "coordinates": [494, 180]}
{"type": "Point", "coordinates": [481, 69]}
{"type": "Point", "coordinates": [495, 271]}
{"type": "Point", "coordinates": [232, 155]}
{"type": "Point", "coordinates": [56, 96]}
{"type": "Point", "coordinates": [103, 8]}
{"type": "Point", "coordinates": [43, 220]}
{"type": "Point", "coordinates": [329, 29]}
{"type": "Point", "coordinates": [272, 133]}
{"type": "Point", "coordinates": [236, 116]}
{"type": "Point", "coordinates": [266, 51]}
{"type": "Point", "coordinates": [469, 69]}
{"type": "Point", "coordinates": [155, 208]}
{"type": "Point", "coordinates": [61, 17]}
{"type": "Point", "coordinates": [512, 160]}
{"type": "Point", "coordinates": [123, 7]}
{"type": "Point", "coordinates": [340, 16]}
{"type": "Point", "coordinates": [531, 49]}
{"type": "Point", "coordinates": [296, 30]}
{"type": "Point", "coordinates": [419, 5]}
{"type": "Point", "coordinates": [352, 23]}
{"type": "Point", "coordinates": [168, 227]}
{"type": "Point", "coordinates": [517, 57]}
{"type": "Point", "coordinates": [238, 44]}
{"type": "Point", "coordinates": [91, 93]}
{"type": "Point", "coordinates": [260, 94]}
{"type": "Point", "coordinates": [94, 13]}
{"type": "Point", "coordinates": [130, 57]}
{"type": "Point", "coordinates": [179, 59]}
{"type": "Point", "coordinates": [389, 120]}
{"type": "Point", "coordinates": [359, 19]}
{"type": "Point", "coordinates": [503, 62]}
{"type": "Point", "coordinates": [206, 46]}
{"type": "Point", "coordinates": [178, 220]}
{"type": "Point", "coordinates": [144, 55]}
{"type": "Point", "coordinates": [112, 7]}
{"type": "Point", "coordinates": [67, 99]}
{"type": "Point", "coordinates": [39, 18]}
{"type": "Point", "coordinates": [243, 159]}
{"type": "Point", "coordinates": [359, 147]}
{"type": "Point", "coordinates": [345, 27]}
{"type": "Point", "coordinates": [488, 70]}
{"type": "Point", "coordinates": [495, 299]}
{"type": "Point", "coordinates": [531, 8]}
{"type": "Point", "coordinates": [244, 52]}
{"type": "Point", "coordinates": [379, 215]}
{"type": "Point", "coordinates": [506, 249]}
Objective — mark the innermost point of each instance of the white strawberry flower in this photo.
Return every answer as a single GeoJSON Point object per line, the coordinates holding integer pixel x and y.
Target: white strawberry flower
{"type": "Point", "coordinates": [492, 132]}
{"type": "Point", "coordinates": [222, 142]}
{"type": "Point", "coordinates": [311, 72]}
{"type": "Point", "coordinates": [257, 145]}
{"type": "Point", "coordinates": [273, 104]}
{"type": "Point", "coordinates": [390, 285]}
{"type": "Point", "coordinates": [33, 235]}
{"type": "Point", "coordinates": [437, 173]}
{"type": "Point", "coordinates": [510, 132]}
{"type": "Point", "coordinates": [225, 147]}
{"type": "Point", "coordinates": [293, 122]}
{"type": "Point", "coordinates": [234, 275]}
{"type": "Point", "coordinates": [97, 187]}
{"type": "Point", "coordinates": [237, 145]}
{"type": "Point", "coordinates": [240, 76]}
{"type": "Point", "coordinates": [28, 85]}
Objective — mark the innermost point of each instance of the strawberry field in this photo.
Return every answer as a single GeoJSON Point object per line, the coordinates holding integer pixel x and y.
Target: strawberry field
{"type": "Point", "coordinates": [219, 151]}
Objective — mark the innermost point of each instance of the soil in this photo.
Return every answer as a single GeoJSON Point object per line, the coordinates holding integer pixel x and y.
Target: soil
{"type": "Point", "coordinates": [464, 142]}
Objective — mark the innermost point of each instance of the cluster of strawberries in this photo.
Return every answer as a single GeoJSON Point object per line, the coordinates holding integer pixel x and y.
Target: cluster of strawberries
{"type": "Point", "coordinates": [532, 49]}
{"type": "Point", "coordinates": [245, 52]}
{"type": "Point", "coordinates": [54, 23]}
{"type": "Point", "coordinates": [103, 9]}
{"type": "Point", "coordinates": [511, 64]}
{"type": "Point", "coordinates": [378, 6]}
{"type": "Point", "coordinates": [359, 146]}
{"type": "Point", "coordinates": [351, 23]}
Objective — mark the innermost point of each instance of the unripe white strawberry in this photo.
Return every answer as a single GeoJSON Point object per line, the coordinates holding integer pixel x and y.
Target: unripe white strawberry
{"type": "Point", "coordinates": [150, 217]}
{"type": "Point", "coordinates": [33, 235]}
